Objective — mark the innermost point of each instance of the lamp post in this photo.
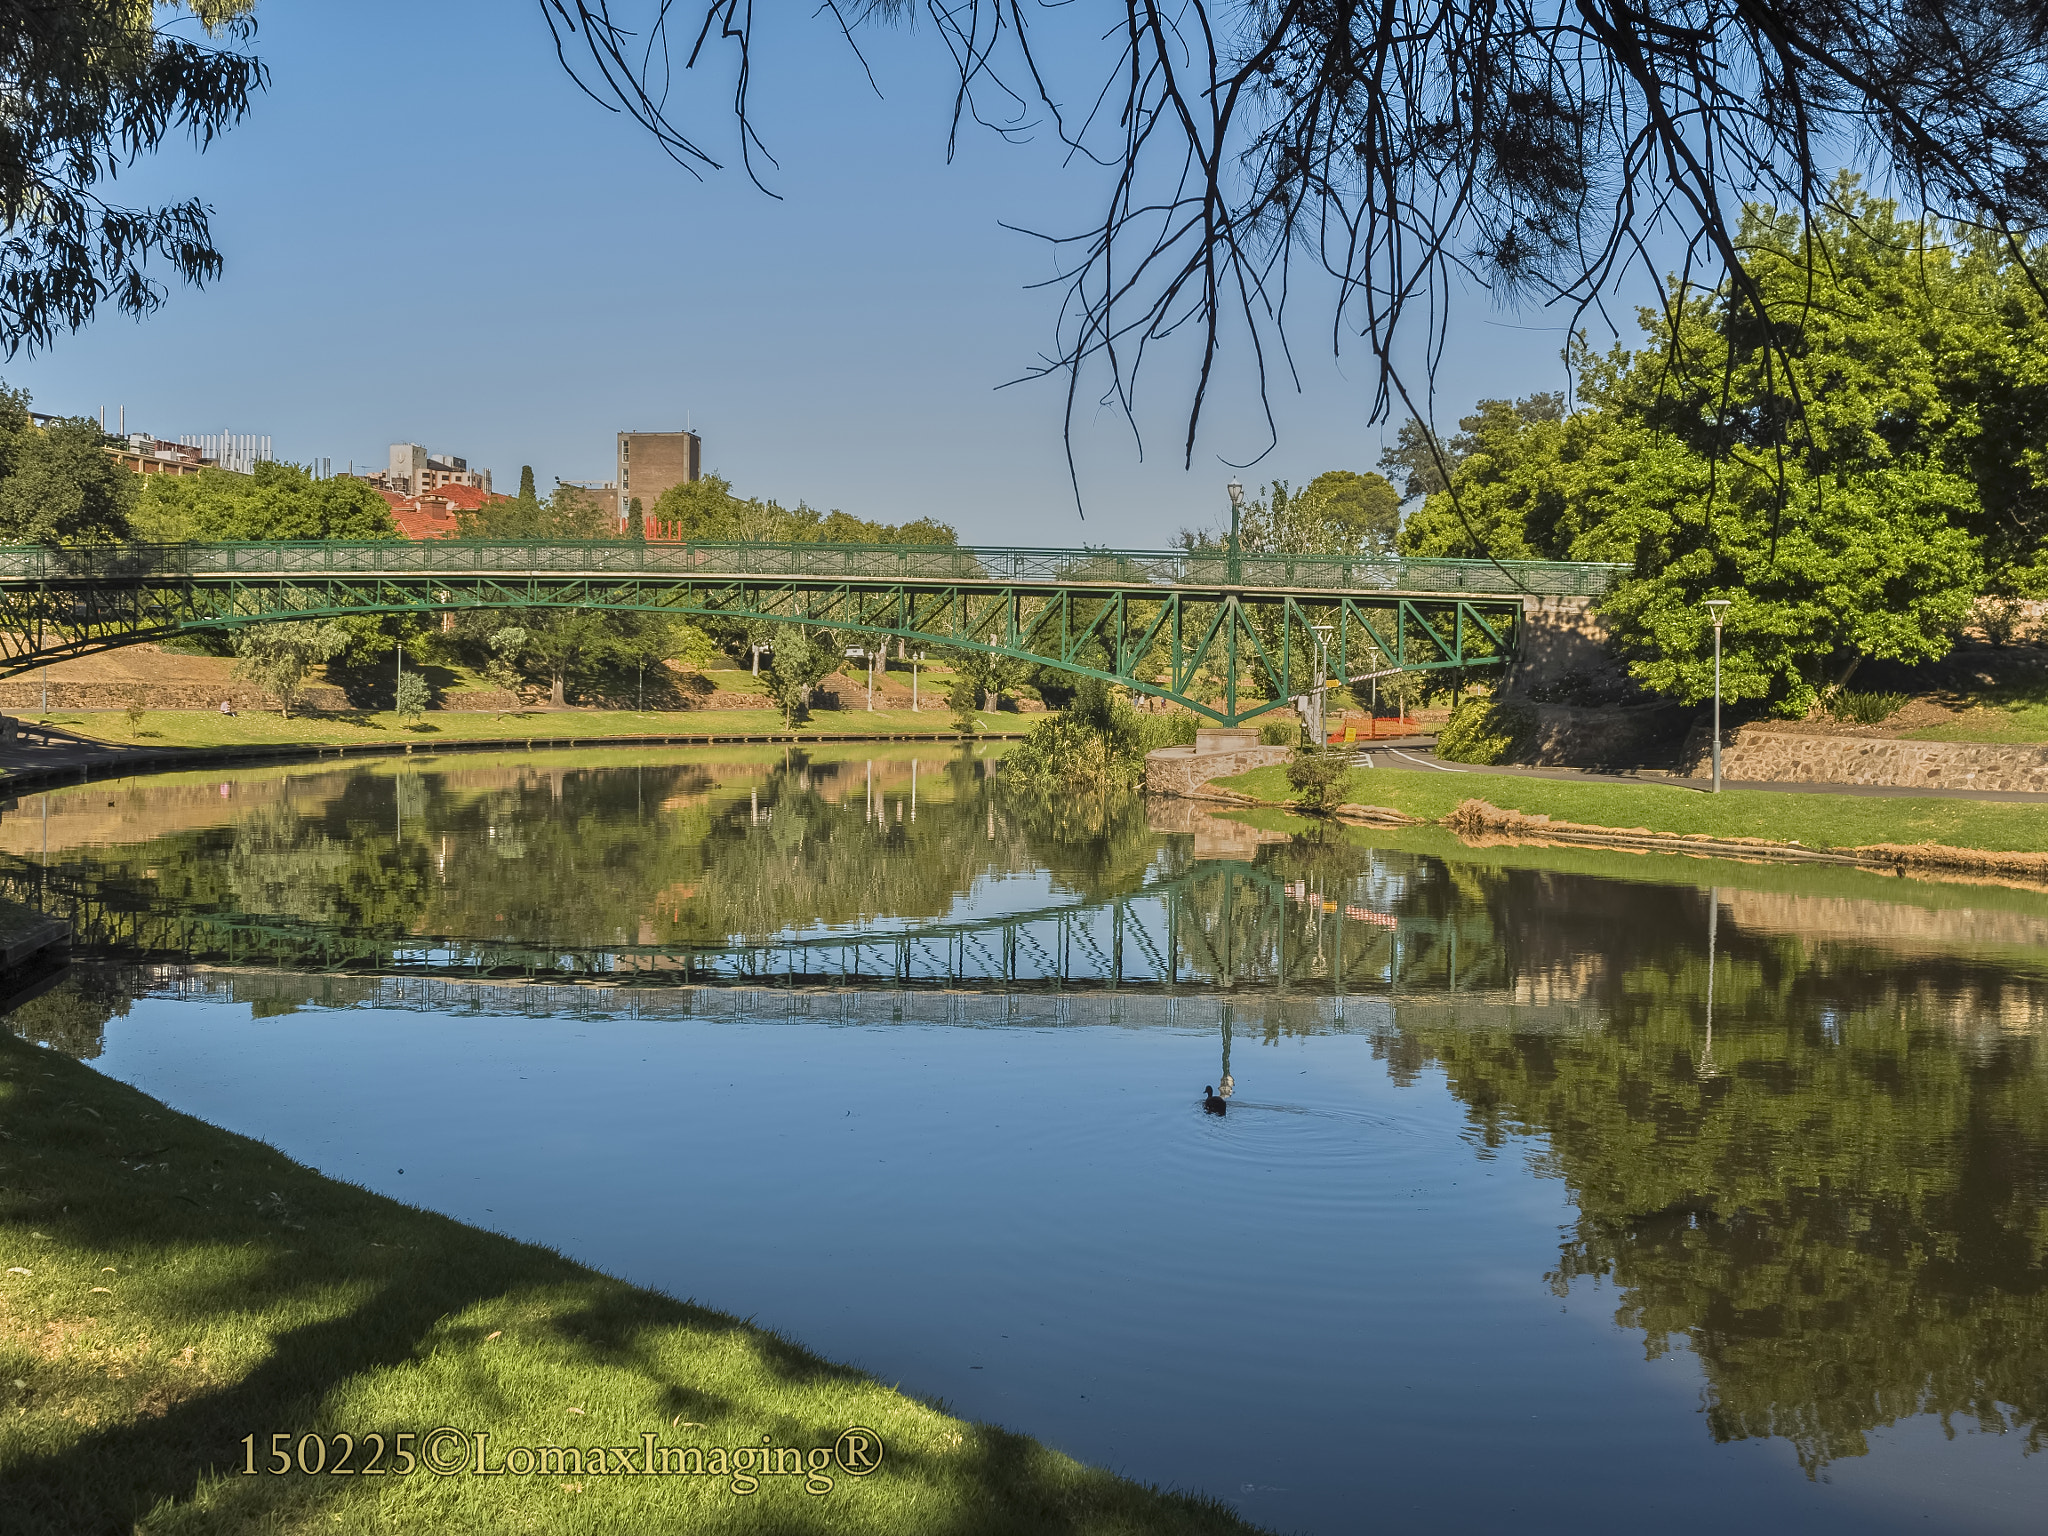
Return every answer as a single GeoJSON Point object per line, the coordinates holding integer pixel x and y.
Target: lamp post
{"type": "Point", "coordinates": [1717, 606]}
{"type": "Point", "coordinates": [1322, 680]}
{"type": "Point", "coordinates": [1236, 491]}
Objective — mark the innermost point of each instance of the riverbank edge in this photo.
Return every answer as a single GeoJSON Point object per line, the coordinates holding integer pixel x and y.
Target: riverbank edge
{"type": "Point", "coordinates": [156, 1309]}
{"type": "Point", "coordinates": [1479, 822]}
{"type": "Point", "coordinates": [127, 760]}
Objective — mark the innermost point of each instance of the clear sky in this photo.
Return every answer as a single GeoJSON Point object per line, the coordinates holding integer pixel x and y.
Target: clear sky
{"type": "Point", "coordinates": [431, 236]}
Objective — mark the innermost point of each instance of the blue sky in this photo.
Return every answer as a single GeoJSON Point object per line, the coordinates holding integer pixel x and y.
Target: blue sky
{"type": "Point", "coordinates": [432, 236]}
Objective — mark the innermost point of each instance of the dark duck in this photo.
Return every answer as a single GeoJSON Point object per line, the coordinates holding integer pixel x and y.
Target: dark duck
{"type": "Point", "coordinates": [1212, 1102]}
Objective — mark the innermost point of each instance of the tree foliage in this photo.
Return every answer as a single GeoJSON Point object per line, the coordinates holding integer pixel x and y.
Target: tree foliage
{"type": "Point", "coordinates": [277, 656]}
{"type": "Point", "coordinates": [1859, 525]}
{"type": "Point", "coordinates": [91, 86]}
{"type": "Point", "coordinates": [275, 501]}
{"type": "Point", "coordinates": [58, 485]}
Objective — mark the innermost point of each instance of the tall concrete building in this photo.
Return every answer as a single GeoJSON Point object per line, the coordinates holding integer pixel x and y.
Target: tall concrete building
{"type": "Point", "coordinates": [414, 472]}
{"type": "Point", "coordinates": [651, 462]}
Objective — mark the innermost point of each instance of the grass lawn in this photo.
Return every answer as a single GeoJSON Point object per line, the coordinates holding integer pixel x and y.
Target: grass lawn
{"type": "Point", "coordinates": [1816, 821]}
{"type": "Point", "coordinates": [170, 1289]}
{"type": "Point", "coordinates": [2020, 721]}
{"type": "Point", "coordinates": [203, 728]}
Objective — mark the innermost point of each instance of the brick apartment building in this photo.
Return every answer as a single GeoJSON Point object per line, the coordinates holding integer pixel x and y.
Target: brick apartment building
{"type": "Point", "coordinates": [651, 462]}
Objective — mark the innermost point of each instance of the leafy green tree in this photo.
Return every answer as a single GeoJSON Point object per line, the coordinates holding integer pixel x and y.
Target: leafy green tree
{"type": "Point", "coordinates": [803, 658]}
{"type": "Point", "coordinates": [1367, 504]}
{"type": "Point", "coordinates": [277, 656]}
{"type": "Point", "coordinates": [57, 483]}
{"type": "Point", "coordinates": [275, 501]}
{"type": "Point", "coordinates": [1517, 492]}
{"type": "Point", "coordinates": [636, 524]}
{"type": "Point", "coordinates": [412, 697]}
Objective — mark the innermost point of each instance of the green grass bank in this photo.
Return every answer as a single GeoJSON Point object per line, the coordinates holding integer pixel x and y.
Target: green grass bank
{"type": "Point", "coordinates": [170, 1288]}
{"type": "Point", "coordinates": [1812, 821]}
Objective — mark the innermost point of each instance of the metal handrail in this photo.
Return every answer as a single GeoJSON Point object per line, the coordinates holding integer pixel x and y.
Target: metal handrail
{"type": "Point", "coordinates": [865, 562]}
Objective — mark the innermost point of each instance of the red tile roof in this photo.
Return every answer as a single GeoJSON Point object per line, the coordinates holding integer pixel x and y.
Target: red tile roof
{"type": "Point", "coordinates": [432, 516]}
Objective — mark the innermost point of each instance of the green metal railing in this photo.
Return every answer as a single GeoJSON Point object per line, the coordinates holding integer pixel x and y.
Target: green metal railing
{"type": "Point", "coordinates": [1165, 569]}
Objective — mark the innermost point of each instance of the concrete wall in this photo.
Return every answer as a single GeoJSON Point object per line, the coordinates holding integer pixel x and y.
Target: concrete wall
{"type": "Point", "coordinates": [1750, 755]}
{"type": "Point", "coordinates": [1184, 770]}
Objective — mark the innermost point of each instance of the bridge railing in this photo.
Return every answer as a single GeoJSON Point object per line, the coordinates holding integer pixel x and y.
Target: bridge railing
{"type": "Point", "coordinates": [858, 562]}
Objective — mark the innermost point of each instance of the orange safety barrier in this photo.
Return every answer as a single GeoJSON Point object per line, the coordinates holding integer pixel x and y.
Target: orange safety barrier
{"type": "Point", "coordinates": [1372, 727]}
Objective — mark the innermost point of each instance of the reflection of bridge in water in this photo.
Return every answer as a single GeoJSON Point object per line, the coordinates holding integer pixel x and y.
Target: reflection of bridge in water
{"type": "Point", "coordinates": [1221, 924]}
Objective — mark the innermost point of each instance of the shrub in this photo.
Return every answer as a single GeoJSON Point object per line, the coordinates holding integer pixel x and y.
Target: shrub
{"type": "Point", "coordinates": [1484, 731]}
{"type": "Point", "coordinates": [1315, 774]}
{"type": "Point", "coordinates": [1279, 733]}
{"type": "Point", "coordinates": [1864, 708]}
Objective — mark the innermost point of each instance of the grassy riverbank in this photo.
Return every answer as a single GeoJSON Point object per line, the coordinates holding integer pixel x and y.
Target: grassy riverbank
{"type": "Point", "coordinates": [171, 1288]}
{"type": "Point", "coordinates": [1813, 821]}
{"type": "Point", "coordinates": [201, 728]}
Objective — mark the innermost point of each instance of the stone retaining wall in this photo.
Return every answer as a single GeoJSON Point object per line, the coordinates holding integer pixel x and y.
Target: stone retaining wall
{"type": "Point", "coordinates": [1566, 735]}
{"type": "Point", "coordinates": [1757, 756]}
{"type": "Point", "coordinates": [1184, 770]}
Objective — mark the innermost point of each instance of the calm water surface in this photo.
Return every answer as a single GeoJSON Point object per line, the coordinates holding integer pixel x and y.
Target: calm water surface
{"type": "Point", "coordinates": [1558, 1190]}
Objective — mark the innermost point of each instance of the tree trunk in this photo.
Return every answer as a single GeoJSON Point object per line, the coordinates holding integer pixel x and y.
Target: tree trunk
{"type": "Point", "coordinates": [559, 697]}
{"type": "Point", "coordinates": [1842, 677]}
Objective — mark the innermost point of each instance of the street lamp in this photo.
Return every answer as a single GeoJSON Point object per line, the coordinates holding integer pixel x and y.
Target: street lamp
{"type": "Point", "coordinates": [1236, 490]}
{"type": "Point", "coordinates": [1717, 606]}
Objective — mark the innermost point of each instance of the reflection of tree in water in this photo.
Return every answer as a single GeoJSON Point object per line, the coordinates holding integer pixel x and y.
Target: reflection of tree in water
{"type": "Point", "coordinates": [73, 1015]}
{"type": "Point", "coordinates": [663, 854]}
{"type": "Point", "coordinates": [1844, 1214]}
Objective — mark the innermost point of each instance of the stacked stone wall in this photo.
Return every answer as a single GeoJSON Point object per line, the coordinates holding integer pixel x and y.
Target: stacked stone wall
{"type": "Point", "coordinates": [1754, 756]}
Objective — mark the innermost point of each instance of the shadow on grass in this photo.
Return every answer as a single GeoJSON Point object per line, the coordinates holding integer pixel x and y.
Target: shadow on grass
{"type": "Point", "coordinates": [357, 1307]}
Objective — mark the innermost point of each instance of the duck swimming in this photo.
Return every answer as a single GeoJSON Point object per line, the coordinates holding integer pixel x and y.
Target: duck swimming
{"type": "Point", "coordinates": [1212, 1103]}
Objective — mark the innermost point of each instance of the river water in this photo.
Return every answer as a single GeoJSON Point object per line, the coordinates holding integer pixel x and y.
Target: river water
{"type": "Point", "coordinates": [1557, 1189]}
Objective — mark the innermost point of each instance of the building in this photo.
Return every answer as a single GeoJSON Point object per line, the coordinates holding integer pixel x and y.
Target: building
{"type": "Point", "coordinates": [651, 462]}
{"type": "Point", "coordinates": [146, 455]}
{"type": "Point", "coordinates": [435, 515]}
{"type": "Point", "coordinates": [414, 472]}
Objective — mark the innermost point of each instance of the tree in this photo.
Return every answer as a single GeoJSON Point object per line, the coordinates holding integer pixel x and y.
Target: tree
{"type": "Point", "coordinates": [91, 85]}
{"type": "Point", "coordinates": [1404, 151]}
{"type": "Point", "coordinates": [636, 525]}
{"type": "Point", "coordinates": [57, 483]}
{"type": "Point", "coordinates": [274, 501]}
{"type": "Point", "coordinates": [277, 656]}
{"type": "Point", "coordinates": [1512, 491]}
{"type": "Point", "coordinates": [412, 697]}
{"type": "Point", "coordinates": [1367, 504]}
{"type": "Point", "coordinates": [803, 658]}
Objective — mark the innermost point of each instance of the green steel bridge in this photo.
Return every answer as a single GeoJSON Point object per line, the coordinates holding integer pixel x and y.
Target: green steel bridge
{"type": "Point", "coordinates": [1229, 636]}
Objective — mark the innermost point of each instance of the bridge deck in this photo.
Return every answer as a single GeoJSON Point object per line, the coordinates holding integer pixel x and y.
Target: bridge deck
{"type": "Point", "coordinates": [1167, 570]}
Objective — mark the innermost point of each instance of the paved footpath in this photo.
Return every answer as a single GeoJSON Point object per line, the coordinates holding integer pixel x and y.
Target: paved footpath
{"type": "Point", "coordinates": [1418, 757]}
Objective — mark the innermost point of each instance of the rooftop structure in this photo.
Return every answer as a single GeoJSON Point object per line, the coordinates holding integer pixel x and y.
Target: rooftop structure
{"type": "Point", "coordinates": [413, 472]}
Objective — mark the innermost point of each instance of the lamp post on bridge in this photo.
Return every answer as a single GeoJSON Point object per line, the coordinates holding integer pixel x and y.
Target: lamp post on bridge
{"type": "Point", "coordinates": [1236, 567]}
{"type": "Point", "coordinates": [1717, 606]}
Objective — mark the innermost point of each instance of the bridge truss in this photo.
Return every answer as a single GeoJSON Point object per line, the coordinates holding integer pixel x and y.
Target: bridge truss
{"type": "Point", "coordinates": [1227, 636]}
